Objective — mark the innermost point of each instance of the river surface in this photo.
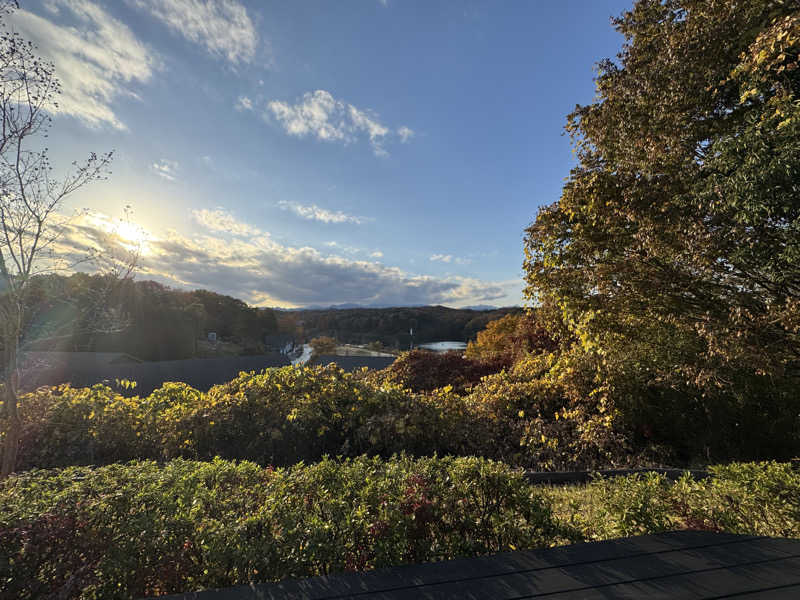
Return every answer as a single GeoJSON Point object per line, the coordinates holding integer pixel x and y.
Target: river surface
{"type": "Point", "coordinates": [443, 346]}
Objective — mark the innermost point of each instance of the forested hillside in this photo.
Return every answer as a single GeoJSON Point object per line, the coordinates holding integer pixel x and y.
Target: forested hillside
{"type": "Point", "coordinates": [143, 318]}
{"type": "Point", "coordinates": [390, 326]}
{"type": "Point", "coordinates": [155, 322]}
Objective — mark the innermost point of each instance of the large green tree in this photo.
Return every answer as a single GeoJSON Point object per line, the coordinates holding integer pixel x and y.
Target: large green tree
{"type": "Point", "coordinates": [675, 246]}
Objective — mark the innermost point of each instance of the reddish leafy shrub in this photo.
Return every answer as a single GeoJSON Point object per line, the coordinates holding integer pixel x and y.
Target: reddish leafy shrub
{"type": "Point", "coordinates": [424, 371]}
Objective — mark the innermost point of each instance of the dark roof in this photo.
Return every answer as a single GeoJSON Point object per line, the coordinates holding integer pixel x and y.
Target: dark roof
{"type": "Point", "coordinates": [200, 373]}
{"type": "Point", "coordinates": [354, 363]}
{"type": "Point", "coordinates": [678, 564]}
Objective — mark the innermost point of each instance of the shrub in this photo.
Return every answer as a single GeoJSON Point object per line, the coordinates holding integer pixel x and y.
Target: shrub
{"type": "Point", "coordinates": [424, 371]}
{"type": "Point", "coordinates": [510, 338]}
{"type": "Point", "coordinates": [64, 426]}
{"type": "Point", "coordinates": [282, 416]}
{"type": "Point", "coordinates": [635, 505]}
{"type": "Point", "coordinates": [743, 498]}
{"type": "Point", "coordinates": [138, 529]}
{"type": "Point", "coordinates": [534, 422]}
{"type": "Point", "coordinates": [750, 498]}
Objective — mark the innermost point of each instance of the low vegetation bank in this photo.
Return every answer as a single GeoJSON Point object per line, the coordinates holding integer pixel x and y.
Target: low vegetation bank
{"type": "Point", "coordinates": [139, 529]}
{"type": "Point", "coordinates": [286, 415]}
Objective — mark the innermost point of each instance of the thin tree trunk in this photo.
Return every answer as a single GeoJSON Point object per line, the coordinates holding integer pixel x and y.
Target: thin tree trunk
{"type": "Point", "coordinates": [13, 422]}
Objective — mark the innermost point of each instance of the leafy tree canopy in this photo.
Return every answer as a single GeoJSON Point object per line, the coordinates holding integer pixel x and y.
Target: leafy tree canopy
{"type": "Point", "coordinates": [677, 237]}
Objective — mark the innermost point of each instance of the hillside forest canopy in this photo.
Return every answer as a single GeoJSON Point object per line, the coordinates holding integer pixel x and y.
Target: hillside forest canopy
{"type": "Point", "coordinates": [156, 322]}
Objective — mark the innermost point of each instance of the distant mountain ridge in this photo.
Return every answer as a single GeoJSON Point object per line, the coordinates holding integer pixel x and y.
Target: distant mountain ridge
{"type": "Point", "coordinates": [348, 306]}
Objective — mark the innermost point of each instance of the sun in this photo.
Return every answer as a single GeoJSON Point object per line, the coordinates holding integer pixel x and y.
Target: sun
{"type": "Point", "coordinates": [132, 236]}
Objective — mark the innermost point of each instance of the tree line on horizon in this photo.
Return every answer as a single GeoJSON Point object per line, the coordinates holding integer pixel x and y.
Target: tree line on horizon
{"type": "Point", "coordinates": [391, 327]}
{"type": "Point", "coordinates": [152, 321]}
{"type": "Point", "coordinates": [149, 320]}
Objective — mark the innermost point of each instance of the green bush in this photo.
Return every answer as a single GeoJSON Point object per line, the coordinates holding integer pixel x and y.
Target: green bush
{"type": "Point", "coordinates": [744, 498]}
{"type": "Point", "coordinates": [64, 426]}
{"type": "Point", "coordinates": [282, 416]}
{"type": "Point", "coordinates": [635, 505]}
{"type": "Point", "coordinates": [139, 529]}
{"type": "Point", "coordinates": [748, 498]}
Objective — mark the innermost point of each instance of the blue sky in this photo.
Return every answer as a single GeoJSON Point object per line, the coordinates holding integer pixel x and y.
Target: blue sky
{"type": "Point", "coordinates": [315, 153]}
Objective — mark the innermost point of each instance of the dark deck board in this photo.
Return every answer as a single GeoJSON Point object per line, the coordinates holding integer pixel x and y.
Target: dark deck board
{"type": "Point", "coordinates": [556, 580]}
{"type": "Point", "coordinates": [671, 565]}
{"type": "Point", "coordinates": [780, 592]}
{"type": "Point", "coordinates": [713, 583]}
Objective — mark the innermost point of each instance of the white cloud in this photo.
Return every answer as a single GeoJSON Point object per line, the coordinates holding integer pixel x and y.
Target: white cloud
{"type": "Point", "coordinates": [405, 134]}
{"type": "Point", "coordinates": [318, 114]}
{"type": "Point", "coordinates": [315, 213]}
{"type": "Point", "coordinates": [244, 103]}
{"type": "Point", "coordinates": [449, 258]}
{"type": "Point", "coordinates": [253, 267]}
{"type": "Point", "coordinates": [167, 169]}
{"type": "Point", "coordinates": [353, 250]}
{"type": "Point", "coordinates": [344, 248]}
{"type": "Point", "coordinates": [222, 221]}
{"type": "Point", "coordinates": [97, 57]}
{"type": "Point", "coordinates": [223, 27]}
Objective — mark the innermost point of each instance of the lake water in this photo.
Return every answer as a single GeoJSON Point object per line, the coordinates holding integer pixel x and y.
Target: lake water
{"type": "Point", "coordinates": [444, 346]}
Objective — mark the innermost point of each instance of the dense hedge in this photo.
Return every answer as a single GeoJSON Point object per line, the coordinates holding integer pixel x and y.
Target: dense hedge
{"type": "Point", "coordinates": [139, 529]}
{"type": "Point", "coordinates": [283, 416]}
{"type": "Point", "coordinates": [744, 498]}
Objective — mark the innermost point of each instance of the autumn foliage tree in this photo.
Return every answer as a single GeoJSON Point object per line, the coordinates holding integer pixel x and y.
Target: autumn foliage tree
{"type": "Point", "coordinates": [673, 253]}
{"type": "Point", "coordinates": [323, 345]}
{"type": "Point", "coordinates": [510, 337]}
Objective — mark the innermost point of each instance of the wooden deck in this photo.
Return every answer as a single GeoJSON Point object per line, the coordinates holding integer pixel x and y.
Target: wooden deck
{"type": "Point", "coordinates": [671, 566]}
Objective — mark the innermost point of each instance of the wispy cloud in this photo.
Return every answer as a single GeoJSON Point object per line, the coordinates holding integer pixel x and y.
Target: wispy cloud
{"type": "Point", "coordinates": [221, 220]}
{"type": "Point", "coordinates": [449, 258]}
{"type": "Point", "coordinates": [244, 103]}
{"type": "Point", "coordinates": [318, 114]}
{"type": "Point", "coordinates": [166, 169]}
{"type": "Point", "coordinates": [354, 250]}
{"type": "Point", "coordinates": [97, 57]}
{"type": "Point", "coordinates": [313, 212]}
{"type": "Point", "coordinates": [405, 134]}
{"type": "Point", "coordinates": [223, 27]}
{"type": "Point", "coordinates": [233, 257]}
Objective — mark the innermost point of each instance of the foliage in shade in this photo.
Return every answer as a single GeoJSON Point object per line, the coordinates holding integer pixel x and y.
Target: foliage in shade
{"type": "Point", "coordinates": [389, 326]}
